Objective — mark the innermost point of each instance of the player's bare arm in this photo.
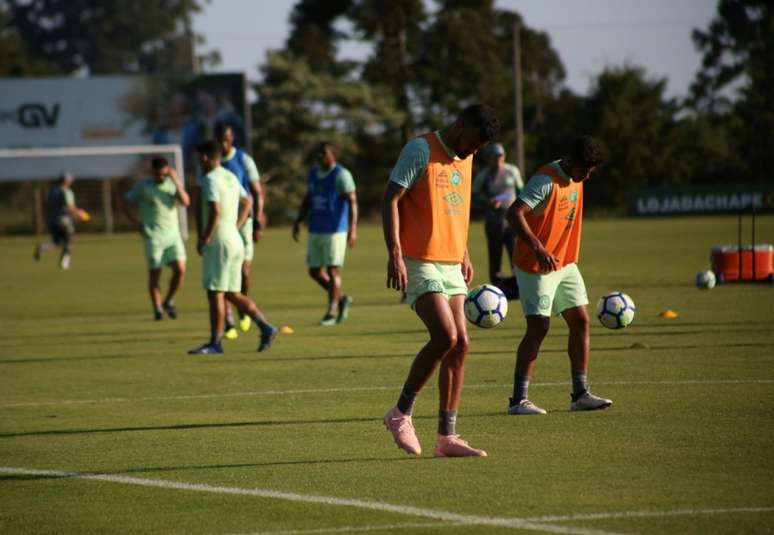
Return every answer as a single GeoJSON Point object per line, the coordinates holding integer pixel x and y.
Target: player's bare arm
{"type": "Point", "coordinates": [302, 211]}
{"type": "Point", "coordinates": [180, 194]}
{"type": "Point", "coordinates": [245, 205]}
{"type": "Point", "coordinates": [515, 217]}
{"type": "Point", "coordinates": [397, 276]}
{"type": "Point", "coordinates": [212, 224]}
{"type": "Point", "coordinates": [467, 268]}
{"type": "Point", "coordinates": [353, 214]}
{"type": "Point", "coordinates": [255, 189]}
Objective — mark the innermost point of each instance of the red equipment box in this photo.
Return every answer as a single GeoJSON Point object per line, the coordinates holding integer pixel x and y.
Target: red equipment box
{"type": "Point", "coordinates": [755, 262]}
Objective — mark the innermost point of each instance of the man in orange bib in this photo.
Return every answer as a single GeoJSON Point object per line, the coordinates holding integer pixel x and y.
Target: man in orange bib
{"type": "Point", "coordinates": [547, 218]}
{"type": "Point", "coordinates": [426, 213]}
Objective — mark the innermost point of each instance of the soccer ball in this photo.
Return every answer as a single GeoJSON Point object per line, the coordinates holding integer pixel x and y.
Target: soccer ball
{"type": "Point", "coordinates": [615, 310]}
{"type": "Point", "coordinates": [486, 306]}
{"type": "Point", "coordinates": [705, 280]}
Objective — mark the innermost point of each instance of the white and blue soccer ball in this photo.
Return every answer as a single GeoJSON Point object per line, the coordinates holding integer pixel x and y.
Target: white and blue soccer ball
{"type": "Point", "coordinates": [486, 306]}
{"type": "Point", "coordinates": [616, 310]}
{"type": "Point", "coordinates": [705, 280]}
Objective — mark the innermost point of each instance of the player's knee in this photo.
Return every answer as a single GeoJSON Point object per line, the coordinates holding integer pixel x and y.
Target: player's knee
{"type": "Point", "coordinates": [462, 345]}
{"type": "Point", "coordinates": [445, 340]}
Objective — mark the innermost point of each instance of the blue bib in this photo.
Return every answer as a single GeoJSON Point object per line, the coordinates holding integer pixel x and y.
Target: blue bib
{"type": "Point", "coordinates": [237, 166]}
{"type": "Point", "coordinates": [328, 209]}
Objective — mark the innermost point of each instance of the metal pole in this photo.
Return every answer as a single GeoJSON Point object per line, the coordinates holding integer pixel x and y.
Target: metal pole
{"type": "Point", "coordinates": [739, 246]}
{"type": "Point", "coordinates": [517, 75]}
{"type": "Point", "coordinates": [107, 206]}
{"type": "Point", "coordinates": [753, 243]}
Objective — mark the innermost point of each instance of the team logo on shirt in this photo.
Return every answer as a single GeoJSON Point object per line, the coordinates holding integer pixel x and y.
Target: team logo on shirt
{"type": "Point", "coordinates": [573, 196]}
{"type": "Point", "coordinates": [456, 178]}
{"type": "Point", "coordinates": [453, 200]}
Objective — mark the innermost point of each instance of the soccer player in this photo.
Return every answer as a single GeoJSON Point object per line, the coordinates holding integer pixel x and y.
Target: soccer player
{"type": "Point", "coordinates": [60, 211]}
{"type": "Point", "coordinates": [547, 218]}
{"type": "Point", "coordinates": [331, 202]}
{"type": "Point", "coordinates": [243, 166]}
{"type": "Point", "coordinates": [495, 188]}
{"type": "Point", "coordinates": [224, 205]}
{"type": "Point", "coordinates": [426, 213]}
{"type": "Point", "coordinates": [157, 199]}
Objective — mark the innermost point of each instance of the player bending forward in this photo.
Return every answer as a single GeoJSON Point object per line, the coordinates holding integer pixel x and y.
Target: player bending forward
{"type": "Point", "coordinates": [224, 208]}
{"type": "Point", "coordinates": [426, 213]}
{"type": "Point", "coordinates": [547, 218]}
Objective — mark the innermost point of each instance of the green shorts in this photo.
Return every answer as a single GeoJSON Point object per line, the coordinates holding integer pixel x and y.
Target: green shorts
{"type": "Point", "coordinates": [547, 294]}
{"type": "Point", "coordinates": [246, 231]}
{"type": "Point", "coordinates": [222, 266]}
{"type": "Point", "coordinates": [326, 249]}
{"type": "Point", "coordinates": [162, 251]}
{"type": "Point", "coordinates": [425, 276]}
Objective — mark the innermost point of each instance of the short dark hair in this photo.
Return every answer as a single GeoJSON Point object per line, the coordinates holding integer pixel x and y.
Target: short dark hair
{"type": "Point", "coordinates": [482, 117]}
{"type": "Point", "coordinates": [326, 145]}
{"type": "Point", "coordinates": [158, 163]}
{"type": "Point", "coordinates": [220, 129]}
{"type": "Point", "coordinates": [588, 151]}
{"type": "Point", "coordinates": [209, 148]}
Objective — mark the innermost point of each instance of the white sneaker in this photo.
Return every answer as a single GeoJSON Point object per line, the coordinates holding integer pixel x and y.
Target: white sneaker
{"type": "Point", "coordinates": [524, 406]}
{"type": "Point", "coordinates": [64, 262]}
{"type": "Point", "coordinates": [589, 402]}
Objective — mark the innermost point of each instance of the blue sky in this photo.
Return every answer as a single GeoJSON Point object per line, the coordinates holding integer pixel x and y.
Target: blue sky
{"type": "Point", "coordinates": [588, 34]}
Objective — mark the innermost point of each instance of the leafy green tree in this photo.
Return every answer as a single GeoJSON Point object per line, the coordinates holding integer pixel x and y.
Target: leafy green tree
{"type": "Point", "coordinates": [297, 108]}
{"type": "Point", "coordinates": [738, 49]}
{"type": "Point", "coordinates": [14, 59]}
{"type": "Point", "coordinates": [630, 113]}
{"type": "Point", "coordinates": [115, 36]}
{"type": "Point", "coordinates": [397, 42]}
{"type": "Point", "coordinates": [467, 56]}
{"type": "Point", "coordinates": [314, 36]}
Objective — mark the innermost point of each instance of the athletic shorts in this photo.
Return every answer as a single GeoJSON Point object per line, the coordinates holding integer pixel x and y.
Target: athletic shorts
{"type": "Point", "coordinates": [163, 251]}
{"type": "Point", "coordinates": [433, 277]}
{"type": "Point", "coordinates": [222, 266]}
{"type": "Point", "coordinates": [547, 294]}
{"type": "Point", "coordinates": [246, 231]}
{"type": "Point", "coordinates": [326, 249]}
{"type": "Point", "coordinates": [62, 231]}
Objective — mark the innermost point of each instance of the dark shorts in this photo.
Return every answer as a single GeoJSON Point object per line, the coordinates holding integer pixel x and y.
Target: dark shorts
{"type": "Point", "coordinates": [61, 233]}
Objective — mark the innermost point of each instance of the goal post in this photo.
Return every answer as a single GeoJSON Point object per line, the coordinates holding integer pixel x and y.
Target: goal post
{"type": "Point", "coordinates": [105, 163]}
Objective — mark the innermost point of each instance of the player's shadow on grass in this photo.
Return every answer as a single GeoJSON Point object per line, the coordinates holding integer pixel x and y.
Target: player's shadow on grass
{"type": "Point", "coordinates": [221, 425]}
{"type": "Point", "coordinates": [155, 469]}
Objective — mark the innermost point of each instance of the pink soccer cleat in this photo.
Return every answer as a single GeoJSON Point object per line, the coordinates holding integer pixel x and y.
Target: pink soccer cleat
{"type": "Point", "coordinates": [454, 446]}
{"type": "Point", "coordinates": [402, 430]}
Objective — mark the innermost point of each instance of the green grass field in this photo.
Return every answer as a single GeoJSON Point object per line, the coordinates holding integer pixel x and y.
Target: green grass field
{"type": "Point", "coordinates": [107, 426]}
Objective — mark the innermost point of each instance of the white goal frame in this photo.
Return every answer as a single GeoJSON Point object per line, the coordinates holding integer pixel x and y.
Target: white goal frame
{"type": "Point", "coordinates": [112, 150]}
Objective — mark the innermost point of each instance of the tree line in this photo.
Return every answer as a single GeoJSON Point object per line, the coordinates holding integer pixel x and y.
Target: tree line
{"type": "Point", "coordinates": [427, 60]}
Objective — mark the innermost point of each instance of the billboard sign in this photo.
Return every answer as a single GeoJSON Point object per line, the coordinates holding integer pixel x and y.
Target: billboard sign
{"type": "Point", "coordinates": [102, 111]}
{"type": "Point", "coordinates": [702, 200]}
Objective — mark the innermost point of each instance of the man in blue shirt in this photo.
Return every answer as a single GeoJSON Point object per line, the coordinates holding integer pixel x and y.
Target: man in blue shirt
{"type": "Point", "coordinates": [331, 203]}
{"type": "Point", "coordinates": [243, 166]}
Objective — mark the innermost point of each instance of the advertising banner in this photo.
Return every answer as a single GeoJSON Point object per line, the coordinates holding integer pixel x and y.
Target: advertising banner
{"type": "Point", "coordinates": [107, 111]}
{"type": "Point", "coordinates": [702, 200]}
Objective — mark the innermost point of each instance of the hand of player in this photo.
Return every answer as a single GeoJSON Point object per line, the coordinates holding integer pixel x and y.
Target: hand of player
{"type": "Point", "coordinates": [351, 238]}
{"type": "Point", "coordinates": [397, 276]}
{"type": "Point", "coordinates": [84, 215]}
{"type": "Point", "coordinates": [257, 235]}
{"type": "Point", "coordinates": [547, 261]}
{"type": "Point", "coordinates": [467, 270]}
{"type": "Point", "coordinates": [296, 230]}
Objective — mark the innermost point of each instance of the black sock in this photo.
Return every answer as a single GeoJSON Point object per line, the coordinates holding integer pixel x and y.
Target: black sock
{"type": "Point", "coordinates": [215, 340]}
{"type": "Point", "coordinates": [579, 385]}
{"type": "Point", "coordinates": [520, 388]}
{"type": "Point", "coordinates": [406, 400]}
{"type": "Point", "coordinates": [260, 321]}
{"type": "Point", "coordinates": [447, 422]}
